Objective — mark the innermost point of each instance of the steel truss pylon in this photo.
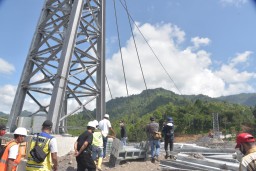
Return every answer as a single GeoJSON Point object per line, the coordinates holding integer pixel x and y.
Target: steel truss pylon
{"type": "Point", "coordinates": [65, 67]}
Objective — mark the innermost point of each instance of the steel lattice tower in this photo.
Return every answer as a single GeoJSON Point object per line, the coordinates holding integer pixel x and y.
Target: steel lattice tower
{"type": "Point", "coordinates": [65, 63]}
{"type": "Point", "coordinates": [216, 129]}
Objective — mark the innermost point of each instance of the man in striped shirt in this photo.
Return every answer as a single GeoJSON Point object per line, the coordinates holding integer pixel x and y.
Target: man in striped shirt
{"type": "Point", "coordinates": [246, 144]}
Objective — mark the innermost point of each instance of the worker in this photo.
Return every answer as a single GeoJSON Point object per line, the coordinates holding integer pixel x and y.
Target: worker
{"type": "Point", "coordinates": [246, 144]}
{"type": "Point", "coordinates": [49, 144]}
{"type": "Point", "coordinates": [97, 146]}
{"type": "Point", "coordinates": [105, 127]}
{"type": "Point", "coordinates": [151, 128]}
{"type": "Point", "coordinates": [12, 154]}
{"type": "Point", "coordinates": [123, 132]}
{"type": "Point", "coordinates": [168, 133]}
{"type": "Point", "coordinates": [2, 132]}
{"type": "Point", "coordinates": [83, 149]}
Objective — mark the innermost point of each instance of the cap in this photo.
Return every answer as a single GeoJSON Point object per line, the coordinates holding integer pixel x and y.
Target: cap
{"type": "Point", "coordinates": [169, 119]}
{"type": "Point", "coordinates": [152, 118]}
{"type": "Point", "coordinates": [21, 131]}
{"type": "Point", "coordinates": [243, 138]}
{"type": "Point", "coordinates": [106, 116]}
{"type": "Point", "coordinates": [2, 127]}
{"type": "Point", "coordinates": [91, 124]}
{"type": "Point", "coordinates": [47, 123]}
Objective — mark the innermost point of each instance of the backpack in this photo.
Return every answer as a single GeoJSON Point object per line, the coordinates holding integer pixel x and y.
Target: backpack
{"type": "Point", "coordinates": [157, 135]}
{"type": "Point", "coordinates": [38, 153]}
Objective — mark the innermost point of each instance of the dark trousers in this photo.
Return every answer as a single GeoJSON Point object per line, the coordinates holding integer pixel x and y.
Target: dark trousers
{"type": "Point", "coordinates": [105, 140]}
{"type": "Point", "coordinates": [168, 141]}
{"type": "Point", "coordinates": [85, 161]}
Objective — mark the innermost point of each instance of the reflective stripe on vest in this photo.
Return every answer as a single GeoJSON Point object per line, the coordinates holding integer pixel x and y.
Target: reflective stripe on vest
{"type": "Point", "coordinates": [3, 161]}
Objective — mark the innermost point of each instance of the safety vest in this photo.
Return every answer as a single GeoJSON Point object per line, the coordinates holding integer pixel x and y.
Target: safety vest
{"type": "Point", "coordinates": [4, 159]}
{"type": "Point", "coordinates": [97, 139]}
{"type": "Point", "coordinates": [46, 164]}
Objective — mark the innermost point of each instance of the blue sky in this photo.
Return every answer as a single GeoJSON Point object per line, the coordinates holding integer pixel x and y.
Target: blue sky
{"type": "Point", "coordinates": [207, 46]}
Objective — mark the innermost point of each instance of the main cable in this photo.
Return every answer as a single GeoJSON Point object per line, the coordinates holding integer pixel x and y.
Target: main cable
{"type": "Point", "coordinates": [135, 45]}
{"type": "Point", "coordinates": [120, 49]}
{"type": "Point", "coordinates": [150, 47]}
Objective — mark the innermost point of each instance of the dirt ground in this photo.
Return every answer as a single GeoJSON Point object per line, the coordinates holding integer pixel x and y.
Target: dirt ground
{"type": "Point", "coordinates": [68, 162]}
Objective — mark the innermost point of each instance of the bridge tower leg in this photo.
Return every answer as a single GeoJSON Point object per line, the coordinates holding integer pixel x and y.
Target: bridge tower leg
{"type": "Point", "coordinates": [65, 67]}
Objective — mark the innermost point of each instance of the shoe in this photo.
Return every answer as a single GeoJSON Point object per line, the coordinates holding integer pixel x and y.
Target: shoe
{"type": "Point", "coordinates": [153, 160]}
{"type": "Point", "coordinates": [157, 159]}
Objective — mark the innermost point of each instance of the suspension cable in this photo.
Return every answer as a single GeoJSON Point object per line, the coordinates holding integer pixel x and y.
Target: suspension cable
{"type": "Point", "coordinates": [109, 87]}
{"type": "Point", "coordinates": [130, 17]}
{"type": "Point", "coordinates": [135, 45]}
{"type": "Point", "coordinates": [120, 49]}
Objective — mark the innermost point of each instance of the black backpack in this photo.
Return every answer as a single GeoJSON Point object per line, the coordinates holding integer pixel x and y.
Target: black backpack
{"type": "Point", "coordinates": [38, 153]}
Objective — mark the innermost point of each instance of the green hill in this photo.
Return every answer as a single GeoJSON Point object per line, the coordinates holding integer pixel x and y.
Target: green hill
{"type": "Point", "coordinates": [248, 99]}
{"type": "Point", "coordinates": [192, 114]}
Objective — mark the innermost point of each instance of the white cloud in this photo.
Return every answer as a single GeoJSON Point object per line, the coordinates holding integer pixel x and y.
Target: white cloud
{"type": "Point", "coordinates": [7, 94]}
{"type": "Point", "coordinates": [191, 70]}
{"type": "Point", "coordinates": [241, 58]}
{"type": "Point", "coordinates": [236, 3]}
{"type": "Point", "coordinates": [197, 41]}
{"type": "Point", "coordinates": [6, 68]}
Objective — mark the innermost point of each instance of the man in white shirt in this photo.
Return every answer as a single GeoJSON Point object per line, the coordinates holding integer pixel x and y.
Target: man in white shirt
{"type": "Point", "coordinates": [105, 126]}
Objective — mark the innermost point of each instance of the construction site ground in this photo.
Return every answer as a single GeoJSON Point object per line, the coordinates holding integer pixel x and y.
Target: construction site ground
{"type": "Point", "coordinates": [68, 162]}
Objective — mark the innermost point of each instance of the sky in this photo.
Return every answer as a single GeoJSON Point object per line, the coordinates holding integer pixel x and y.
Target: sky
{"type": "Point", "coordinates": [206, 46]}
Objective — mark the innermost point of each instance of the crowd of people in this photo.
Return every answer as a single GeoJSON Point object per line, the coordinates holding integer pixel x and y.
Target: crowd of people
{"type": "Point", "coordinates": [90, 146]}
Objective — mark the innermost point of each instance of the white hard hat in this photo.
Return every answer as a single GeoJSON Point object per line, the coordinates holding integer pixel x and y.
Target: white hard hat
{"type": "Point", "coordinates": [21, 131]}
{"type": "Point", "coordinates": [170, 124]}
{"type": "Point", "coordinates": [106, 116]}
{"type": "Point", "coordinates": [91, 124]}
{"type": "Point", "coordinates": [96, 123]}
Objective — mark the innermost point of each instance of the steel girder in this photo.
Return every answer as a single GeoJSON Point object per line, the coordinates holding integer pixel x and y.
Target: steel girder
{"type": "Point", "coordinates": [65, 67]}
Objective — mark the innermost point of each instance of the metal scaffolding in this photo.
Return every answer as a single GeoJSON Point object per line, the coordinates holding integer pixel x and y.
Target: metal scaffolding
{"type": "Point", "coordinates": [65, 67]}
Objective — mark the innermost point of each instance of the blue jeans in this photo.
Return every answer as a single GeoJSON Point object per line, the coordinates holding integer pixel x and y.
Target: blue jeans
{"type": "Point", "coordinates": [97, 152]}
{"type": "Point", "coordinates": [123, 140]}
{"type": "Point", "coordinates": [155, 148]}
{"type": "Point", "coordinates": [105, 140]}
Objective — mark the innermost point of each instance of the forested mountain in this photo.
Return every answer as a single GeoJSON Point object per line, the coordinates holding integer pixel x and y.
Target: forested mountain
{"type": "Point", "coordinates": [248, 99]}
{"type": "Point", "coordinates": [191, 114]}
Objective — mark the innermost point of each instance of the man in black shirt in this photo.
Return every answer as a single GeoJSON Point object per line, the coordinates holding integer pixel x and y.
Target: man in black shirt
{"type": "Point", "coordinates": [123, 133]}
{"type": "Point", "coordinates": [83, 149]}
{"type": "Point", "coordinates": [168, 132]}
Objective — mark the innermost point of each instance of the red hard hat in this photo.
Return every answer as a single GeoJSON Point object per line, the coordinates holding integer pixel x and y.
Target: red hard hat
{"type": "Point", "coordinates": [243, 138]}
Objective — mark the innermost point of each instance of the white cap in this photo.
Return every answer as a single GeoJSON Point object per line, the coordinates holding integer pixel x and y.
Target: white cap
{"type": "Point", "coordinates": [21, 131]}
{"type": "Point", "coordinates": [91, 124]}
{"type": "Point", "coordinates": [96, 123]}
{"type": "Point", "coordinates": [106, 116]}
